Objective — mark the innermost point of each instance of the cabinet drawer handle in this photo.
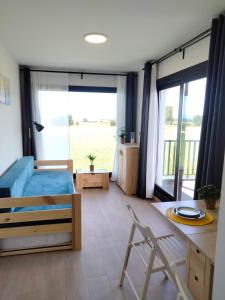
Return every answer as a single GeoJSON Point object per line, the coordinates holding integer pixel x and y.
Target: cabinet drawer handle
{"type": "Point", "coordinates": [197, 251]}
{"type": "Point", "coordinates": [196, 278]}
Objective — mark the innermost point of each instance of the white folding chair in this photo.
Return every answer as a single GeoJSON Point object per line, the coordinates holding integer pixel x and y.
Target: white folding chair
{"type": "Point", "coordinates": [183, 291]}
{"type": "Point", "coordinates": [161, 251]}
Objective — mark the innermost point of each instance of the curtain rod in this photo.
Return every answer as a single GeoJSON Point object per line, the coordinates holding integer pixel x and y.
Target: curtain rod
{"type": "Point", "coordinates": [184, 46]}
{"type": "Point", "coordinates": [75, 72]}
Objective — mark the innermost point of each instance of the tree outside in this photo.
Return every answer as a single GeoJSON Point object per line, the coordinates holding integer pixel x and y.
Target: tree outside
{"type": "Point", "coordinates": [169, 115]}
{"type": "Point", "coordinates": [197, 120]}
{"type": "Point", "coordinates": [71, 121]}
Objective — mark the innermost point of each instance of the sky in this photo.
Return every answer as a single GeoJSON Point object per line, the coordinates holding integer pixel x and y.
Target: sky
{"type": "Point", "coordinates": [81, 105]}
{"type": "Point", "coordinates": [193, 104]}
{"type": "Point", "coordinates": [92, 106]}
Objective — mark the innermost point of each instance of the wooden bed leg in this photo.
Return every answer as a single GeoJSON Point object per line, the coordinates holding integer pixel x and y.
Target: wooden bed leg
{"type": "Point", "coordinates": [76, 222]}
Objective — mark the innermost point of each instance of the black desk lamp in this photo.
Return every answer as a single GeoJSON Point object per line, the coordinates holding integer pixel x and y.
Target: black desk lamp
{"type": "Point", "coordinates": [39, 127]}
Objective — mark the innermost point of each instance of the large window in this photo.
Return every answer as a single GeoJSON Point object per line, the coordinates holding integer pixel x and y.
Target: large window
{"type": "Point", "coordinates": [180, 117]}
{"type": "Point", "coordinates": [92, 120]}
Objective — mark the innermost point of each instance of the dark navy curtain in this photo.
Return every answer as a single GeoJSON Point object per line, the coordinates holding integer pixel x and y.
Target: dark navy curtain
{"type": "Point", "coordinates": [131, 104]}
{"type": "Point", "coordinates": [141, 185]}
{"type": "Point", "coordinates": [212, 142]}
{"type": "Point", "coordinates": [26, 112]}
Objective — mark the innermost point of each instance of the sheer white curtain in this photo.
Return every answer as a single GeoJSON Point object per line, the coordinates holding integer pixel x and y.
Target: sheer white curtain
{"type": "Point", "coordinates": [120, 120]}
{"type": "Point", "coordinates": [161, 138]}
{"type": "Point", "coordinates": [152, 136]}
{"type": "Point", "coordinates": [50, 109]}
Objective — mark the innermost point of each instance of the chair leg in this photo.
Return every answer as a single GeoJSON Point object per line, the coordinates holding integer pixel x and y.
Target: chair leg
{"type": "Point", "coordinates": [148, 275]}
{"type": "Point", "coordinates": [167, 271]}
{"type": "Point", "coordinates": [165, 274]}
{"type": "Point", "coordinates": [127, 255]}
{"type": "Point", "coordinates": [179, 297]}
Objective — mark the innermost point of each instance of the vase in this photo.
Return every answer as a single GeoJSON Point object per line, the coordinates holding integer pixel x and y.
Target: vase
{"type": "Point", "coordinates": [122, 140]}
{"type": "Point", "coordinates": [210, 204]}
{"type": "Point", "coordinates": [132, 137]}
{"type": "Point", "coordinates": [92, 167]}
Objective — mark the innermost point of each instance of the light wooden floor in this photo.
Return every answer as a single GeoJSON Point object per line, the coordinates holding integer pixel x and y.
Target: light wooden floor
{"type": "Point", "coordinates": [93, 273]}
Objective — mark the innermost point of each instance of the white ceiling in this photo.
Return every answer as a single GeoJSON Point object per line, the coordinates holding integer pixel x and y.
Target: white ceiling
{"type": "Point", "coordinates": [49, 33]}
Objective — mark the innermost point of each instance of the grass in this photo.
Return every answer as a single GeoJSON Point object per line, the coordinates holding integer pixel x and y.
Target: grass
{"type": "Point", "coordinates": [96, 138]}
{"type": "Point", "coordinates": [99, 139]}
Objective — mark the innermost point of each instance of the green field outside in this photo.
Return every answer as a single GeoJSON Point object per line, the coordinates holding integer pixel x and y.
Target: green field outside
{"type": "Point", "coordinates": [96, 138]}
{"type": "Point", "coordinates": [99, 138]}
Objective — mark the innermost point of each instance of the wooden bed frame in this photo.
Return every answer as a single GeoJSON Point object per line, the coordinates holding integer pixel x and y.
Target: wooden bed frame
{"type": "Point", "coordinates": [73, 213]}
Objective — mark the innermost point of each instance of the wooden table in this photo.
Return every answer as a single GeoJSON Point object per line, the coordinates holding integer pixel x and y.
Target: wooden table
{"type": "Point", "coordinates": [201, 249]}
{"type": "Point", "coordinates": [87, 179]}
{"type": "Point", "coordinates": [186, 229]}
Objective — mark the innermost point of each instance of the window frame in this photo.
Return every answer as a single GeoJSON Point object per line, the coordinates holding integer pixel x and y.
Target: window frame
{"type": "Point", "coordinates": [92, 89]}
{"type": "Point", "coordinates": [189, 74]}
{"type": "Point", "coordinates": [179, 78]}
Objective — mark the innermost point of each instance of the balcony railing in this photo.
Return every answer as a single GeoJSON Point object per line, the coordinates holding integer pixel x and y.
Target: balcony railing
{"type": "Point", "coordinates": [191, 148]}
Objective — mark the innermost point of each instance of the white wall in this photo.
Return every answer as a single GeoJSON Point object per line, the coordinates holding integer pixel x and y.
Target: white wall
{"type": "Point", "coordinates": [10, 117]}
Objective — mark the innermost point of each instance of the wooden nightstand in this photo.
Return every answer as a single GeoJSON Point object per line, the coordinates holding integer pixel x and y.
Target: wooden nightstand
{"type": "Point", "coordinates": [87, 179]}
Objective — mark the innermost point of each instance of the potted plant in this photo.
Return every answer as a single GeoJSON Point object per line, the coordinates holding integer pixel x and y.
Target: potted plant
{"type": "Point", "coordinates": [122, 135]}
{"type": "Point", "coordinates": [91, 157]}
{"type": "Point", "coordinates": [210, 194]}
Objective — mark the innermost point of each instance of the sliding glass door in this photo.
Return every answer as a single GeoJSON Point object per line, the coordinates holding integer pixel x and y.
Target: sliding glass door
{"type": "Point", "coordinates": [181, 109]}
{"type": "Point", "coordinates": [192, 111]}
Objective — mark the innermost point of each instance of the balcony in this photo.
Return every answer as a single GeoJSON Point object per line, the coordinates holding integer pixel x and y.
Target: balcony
{"type": "Point", "coordinates": [188, 167]}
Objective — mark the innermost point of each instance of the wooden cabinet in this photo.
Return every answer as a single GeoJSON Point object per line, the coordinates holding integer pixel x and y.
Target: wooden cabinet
{"type": "Point", "coordinates": [199, 274]}
{"type": "Point", "coordinates": [128, 168]}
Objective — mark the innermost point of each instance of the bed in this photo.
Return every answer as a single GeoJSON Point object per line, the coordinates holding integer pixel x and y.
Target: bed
{"type": "Point", "coordinates": [45, 215]}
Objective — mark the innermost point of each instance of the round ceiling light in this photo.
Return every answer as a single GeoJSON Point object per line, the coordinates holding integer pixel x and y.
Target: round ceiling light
{"type": "Point", "coordinates": [95, 38]}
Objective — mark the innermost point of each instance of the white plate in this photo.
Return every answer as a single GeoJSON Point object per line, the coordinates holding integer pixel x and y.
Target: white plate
{"type": "Point", "coordinates": [189, 213]}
